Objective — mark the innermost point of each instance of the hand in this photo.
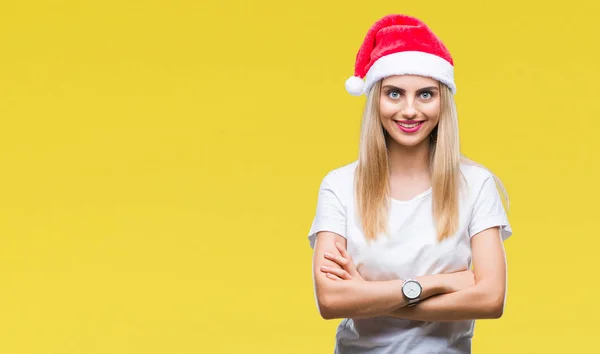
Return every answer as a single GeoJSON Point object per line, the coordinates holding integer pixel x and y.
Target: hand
{"type": "Point", "coordinates": [348, 271]}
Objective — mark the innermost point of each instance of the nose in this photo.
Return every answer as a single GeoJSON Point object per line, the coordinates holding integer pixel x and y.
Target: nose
{"type": "Point", "coordinates": [409, 112]}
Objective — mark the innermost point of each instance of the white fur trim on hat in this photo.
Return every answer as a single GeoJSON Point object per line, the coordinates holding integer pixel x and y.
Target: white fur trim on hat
{"type": "Point", "coordinates": [410, 63]}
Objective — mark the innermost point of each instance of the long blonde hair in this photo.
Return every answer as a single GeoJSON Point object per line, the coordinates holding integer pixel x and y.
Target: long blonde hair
{"type": "Point", "coordinates": [372, 182]}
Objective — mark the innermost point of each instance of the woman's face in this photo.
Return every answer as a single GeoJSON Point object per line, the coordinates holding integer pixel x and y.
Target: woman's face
{"type": "Point", "coordinates": [409, 108]}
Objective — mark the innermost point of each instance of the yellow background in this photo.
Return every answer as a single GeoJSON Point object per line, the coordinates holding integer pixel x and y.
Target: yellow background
{"type": "Point", "coordinates": [160, 162]}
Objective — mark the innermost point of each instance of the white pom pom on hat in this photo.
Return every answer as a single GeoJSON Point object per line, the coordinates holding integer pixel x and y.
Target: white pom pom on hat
{"type": "Point", "coordinates": [355, 85]}
{"type": "Point", "coordinates": [400, 45]}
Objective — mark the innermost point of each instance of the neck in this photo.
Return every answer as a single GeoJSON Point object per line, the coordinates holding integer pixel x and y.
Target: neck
{"type": "Point", "coordinates": [409, 162]}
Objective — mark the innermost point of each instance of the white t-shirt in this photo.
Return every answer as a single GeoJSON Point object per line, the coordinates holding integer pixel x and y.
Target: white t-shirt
{"type": "Point", "coordinates": [411, 250]}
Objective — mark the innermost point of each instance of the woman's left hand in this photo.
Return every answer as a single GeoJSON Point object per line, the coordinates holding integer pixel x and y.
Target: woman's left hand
{"type": "Point", "coordinates": [348, 271]}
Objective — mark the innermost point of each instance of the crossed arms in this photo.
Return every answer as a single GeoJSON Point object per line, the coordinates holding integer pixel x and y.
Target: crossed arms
{"type": "Point", "coordinates": [479, 294]}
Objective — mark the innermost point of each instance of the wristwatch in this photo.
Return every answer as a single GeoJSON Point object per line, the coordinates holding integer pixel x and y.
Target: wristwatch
{"type": "Point", "coordinates": [411, 289]}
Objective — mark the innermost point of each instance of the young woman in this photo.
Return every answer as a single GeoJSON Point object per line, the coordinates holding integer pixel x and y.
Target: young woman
{"type": "Point", "coordinates": [408, 239]}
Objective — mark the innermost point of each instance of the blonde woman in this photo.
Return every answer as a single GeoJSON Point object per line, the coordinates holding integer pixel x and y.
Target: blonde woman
{"type": "Point", "coordinates": [408, 239]}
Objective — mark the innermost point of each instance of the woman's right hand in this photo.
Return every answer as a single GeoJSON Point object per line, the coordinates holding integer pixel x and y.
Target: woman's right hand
{"type": "Point", "coordinates": [348, 270]}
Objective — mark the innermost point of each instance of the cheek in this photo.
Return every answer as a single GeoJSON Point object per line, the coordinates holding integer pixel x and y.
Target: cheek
{"type": "Point", "coordinates": [387, 109]}
{"type": "Point", "coordinates": [432, 111]}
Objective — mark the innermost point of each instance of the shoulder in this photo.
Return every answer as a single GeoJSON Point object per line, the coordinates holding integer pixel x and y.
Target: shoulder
{"type": "Point", "coordinates": [345, 172]}
{"type": "Point", "coordinates": [481, 181]}
{"type": "Point", "coordinates": [475, 174]}
{"type": "Point", "coordinates": [341, 180]}
{"type": "Point", "coordinates": [342, 175]}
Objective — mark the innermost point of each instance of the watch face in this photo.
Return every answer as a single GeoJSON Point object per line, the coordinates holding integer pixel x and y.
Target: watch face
{"type": "Point", "coordinates": [411, 290]}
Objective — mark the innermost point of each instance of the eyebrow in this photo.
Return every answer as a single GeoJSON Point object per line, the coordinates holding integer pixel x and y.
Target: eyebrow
{"type": "Point", "coordinates": [428, 88]}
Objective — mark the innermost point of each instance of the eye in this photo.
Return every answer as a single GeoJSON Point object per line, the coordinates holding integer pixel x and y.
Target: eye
{"type": "Point", "coordinates": [393, 94]}
{"type": "Point", "coordinates": [426, 95]}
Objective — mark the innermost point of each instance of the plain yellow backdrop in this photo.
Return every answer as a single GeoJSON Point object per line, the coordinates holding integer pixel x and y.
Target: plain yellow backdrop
{"type": "Point", "coordinates": [160, 162]}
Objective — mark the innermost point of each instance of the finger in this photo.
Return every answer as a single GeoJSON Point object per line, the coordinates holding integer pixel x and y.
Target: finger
{"type": "Point", "coordinates": [336, 271]}
{"type": "Point", "coordinates": [337, 259]}
{"type": "Point", "coordinates": [342, 250]}
{"type": "Point", "coordinates": [331, 276]}
{"type": "Point", "coordinates": [342, 273]}
{"type": "Point", "coordinates": [349, 265]}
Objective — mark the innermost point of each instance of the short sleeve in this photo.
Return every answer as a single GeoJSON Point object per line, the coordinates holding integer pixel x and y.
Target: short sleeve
{"type": "Point", "coordinates": [331, 211]}
{"type": "Point", "coordinates": [488, 210]}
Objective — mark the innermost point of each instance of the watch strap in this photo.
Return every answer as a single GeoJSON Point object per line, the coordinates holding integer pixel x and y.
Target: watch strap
{"type": "Point", "coordinates": [413, 302]}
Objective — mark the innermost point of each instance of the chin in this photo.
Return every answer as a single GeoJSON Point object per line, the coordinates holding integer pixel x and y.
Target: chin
{"type": "Point", "coordinates": [409, 141]}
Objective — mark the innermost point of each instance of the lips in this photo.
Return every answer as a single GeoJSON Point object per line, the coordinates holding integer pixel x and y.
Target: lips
{"type": "Point", "coordinates": [409, 126]}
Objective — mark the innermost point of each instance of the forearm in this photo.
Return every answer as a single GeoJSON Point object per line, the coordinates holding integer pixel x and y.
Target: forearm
{"type": "Point", "coordinates": [476, 302]}
{"type": "Point", "coordinates": [349, 299]}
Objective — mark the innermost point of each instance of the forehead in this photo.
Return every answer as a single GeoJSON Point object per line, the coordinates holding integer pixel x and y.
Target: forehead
{"type": "Point", "coordinates": [409, 81]}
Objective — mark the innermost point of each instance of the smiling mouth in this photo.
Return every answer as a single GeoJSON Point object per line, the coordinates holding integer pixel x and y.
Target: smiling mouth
{"type": "Point", "coordinates": [408, 125]}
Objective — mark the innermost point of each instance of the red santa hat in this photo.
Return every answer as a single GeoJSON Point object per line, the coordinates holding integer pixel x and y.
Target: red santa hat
{"type": "Point", "coordinates": [400, 45]}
